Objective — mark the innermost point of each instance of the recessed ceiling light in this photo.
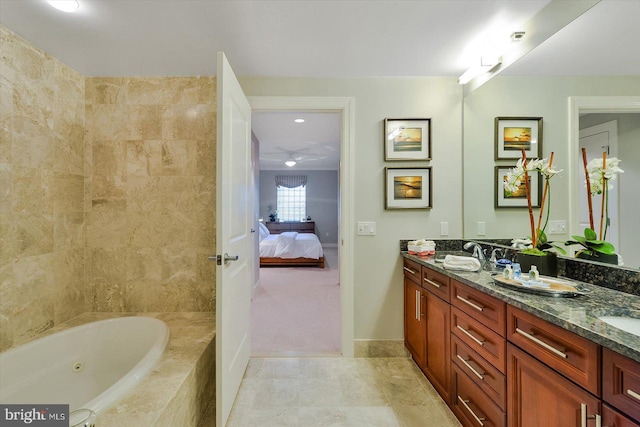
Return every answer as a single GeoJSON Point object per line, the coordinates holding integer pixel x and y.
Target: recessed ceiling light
{"type": "Point", "coordinates": [291, 163]}
{"type": "Point", "coordinates": [65, 5]}
{"type": "Point", "coordinates": [299, 120]}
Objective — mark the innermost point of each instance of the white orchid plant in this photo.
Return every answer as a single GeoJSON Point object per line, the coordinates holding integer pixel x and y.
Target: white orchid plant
{"type": "Point", "coordinates": [599, 174]}
{"type": "Point", "coordinates": [512, 183]}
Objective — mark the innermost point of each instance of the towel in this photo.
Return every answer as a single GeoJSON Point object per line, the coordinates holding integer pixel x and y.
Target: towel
{"type": "Point", "coordinates": [462, 263]}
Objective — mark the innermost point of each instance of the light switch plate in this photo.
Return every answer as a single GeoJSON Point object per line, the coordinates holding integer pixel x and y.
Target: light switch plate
{"type": "Point", "coordinates": [366, 228]}
{"type": "Point", "coordinates": [557, 227]}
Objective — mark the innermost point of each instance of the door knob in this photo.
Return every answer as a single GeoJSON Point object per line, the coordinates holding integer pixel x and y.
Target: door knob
{"type": "Point", "coordinates": [218, 258]}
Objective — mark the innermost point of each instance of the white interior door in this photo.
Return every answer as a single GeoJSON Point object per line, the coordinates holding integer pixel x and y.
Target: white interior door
{"type": "Point", "coordinates": [233, 239]}
{"type": "Point", "coordinates": [598, 139]}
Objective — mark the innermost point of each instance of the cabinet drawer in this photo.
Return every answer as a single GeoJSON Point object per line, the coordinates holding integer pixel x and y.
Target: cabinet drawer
{"type": "Point", "coordinates": [621, 383]}
{"type": "Point", "coordinates": [485, 308]}
{"type": "Point", "coordinates": [304, 227]}
{"type": "Point", "coordinates": [471, 405]}
{"type": "Point", "coordinates": [277, 227]}
{"type": "Point", "coordinates": [412, 271]}
{"type": "Point", "coordinates": [613, 418]}
{"type": "Point", "coordinates": [479, 338]}
{"type": "Point", "coordinates": [573, 356]}
{"type": "Point", "coordinates": [486, 376]}
{"type": "Point", "coordinates": [436, 283]}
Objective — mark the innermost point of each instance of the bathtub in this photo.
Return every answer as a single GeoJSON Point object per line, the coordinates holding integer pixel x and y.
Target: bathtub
{"type": "Point", "coordinates": [88, 367]}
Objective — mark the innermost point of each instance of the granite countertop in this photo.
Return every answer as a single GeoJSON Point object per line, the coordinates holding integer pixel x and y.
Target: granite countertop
{"type": "Point", "coordinates": [578, 315]}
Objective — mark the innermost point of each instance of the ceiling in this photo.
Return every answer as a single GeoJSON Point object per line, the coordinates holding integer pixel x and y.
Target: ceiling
{"type": "Point", "coordinates": [318, 38]}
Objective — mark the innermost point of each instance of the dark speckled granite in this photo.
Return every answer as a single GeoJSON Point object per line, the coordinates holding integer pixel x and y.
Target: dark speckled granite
{"type": "Point", "coordinates": [579, 315]}
{"type": "Point", "coordinates": [613, 277]}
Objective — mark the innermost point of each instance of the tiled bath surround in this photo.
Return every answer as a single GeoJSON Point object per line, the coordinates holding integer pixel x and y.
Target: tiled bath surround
{"type": "Point", "coordinates": [107, 193]}
{"type": "Point", "coordinates": [42, 176]}
{"type": "Point", "coordinates": [150, 194]}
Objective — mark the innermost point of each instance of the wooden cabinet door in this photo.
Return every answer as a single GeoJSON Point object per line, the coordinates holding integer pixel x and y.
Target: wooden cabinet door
{"type": "Point", "coordinates": [415, 333]}
{"type": "Point", "coordinates": [613, 418]}
{"type": "Point", "coordinates": [621, 383]}
{"type": "Point", "coordinates": [438, 363]}
{"type": "Point", "coordinates": [539, 396]}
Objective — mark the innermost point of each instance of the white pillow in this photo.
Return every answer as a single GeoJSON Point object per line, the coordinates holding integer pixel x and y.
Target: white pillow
{"type": "Point", "coordinates": [264, 231]}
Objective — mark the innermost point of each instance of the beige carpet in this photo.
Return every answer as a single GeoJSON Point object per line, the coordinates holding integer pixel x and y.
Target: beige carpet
{"type": "Point", "coordinates": [296, 310]}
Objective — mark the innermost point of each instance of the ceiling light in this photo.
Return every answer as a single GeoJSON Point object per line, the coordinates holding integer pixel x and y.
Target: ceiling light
{"type": "Point", "coordinates": [517, 36]}
{"type": "Point", "coordinates": [291, 163]}
{"type": "Point", "coordinates": [299, 120]}
{"type": "Point", "coordinates": [65, 5]}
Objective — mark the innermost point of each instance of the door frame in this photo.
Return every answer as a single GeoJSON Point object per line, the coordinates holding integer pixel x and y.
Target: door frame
{"type": "Point", "coordinates": [576, 106]}
{"type": "Point", "coordinates": [344, 105]}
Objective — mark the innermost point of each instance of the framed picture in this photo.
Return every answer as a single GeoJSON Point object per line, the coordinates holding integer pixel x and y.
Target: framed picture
{"type": "Point", "coordinates": [407, 139]}
{"type": "Point", "coordinates": [515, 133]}
{"type": "Point", "coordinates": [407, 188]}
{"type": "Point", "coordinates": [519, 198]}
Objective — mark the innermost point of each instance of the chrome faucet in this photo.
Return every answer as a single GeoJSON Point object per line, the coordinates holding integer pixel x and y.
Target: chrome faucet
{"type": "Point", "coordinates": [477, 250]}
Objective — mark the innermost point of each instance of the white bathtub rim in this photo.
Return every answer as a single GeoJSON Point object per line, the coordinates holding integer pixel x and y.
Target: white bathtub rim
{"type": "Point", "coordinates": [144, 366]}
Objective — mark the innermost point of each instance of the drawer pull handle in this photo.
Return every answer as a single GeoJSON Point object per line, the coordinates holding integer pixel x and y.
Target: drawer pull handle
{"type": "Point", "coordinates": [470, 335]}
{"type": "Point", "coordinates": [584, 417]}
{"type": "Point", "coordinates": [468, 365]}
{"type": "Point", "coordinates": [474, 305]}
{"type": "Point", "coordinates": [431, 282]}
{"type": "Point", "coordinates": [633, 394]}
{"type": "Point", "coordinates": [542, 343]}
{"type": "Point", "coordinates": [465, 403]}
{"type": "Point", "coordinates": [409, 270]}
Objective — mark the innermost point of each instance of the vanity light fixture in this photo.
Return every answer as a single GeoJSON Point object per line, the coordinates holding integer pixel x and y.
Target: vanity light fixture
{"type": "Point", "coordinates": [65, 5]}
{"type": "Point", "coordinates": [487, 63]}
{"type": "Point", "coordinates": [291, 163]}
{"type": "Point", "coordinates": [299, 120]}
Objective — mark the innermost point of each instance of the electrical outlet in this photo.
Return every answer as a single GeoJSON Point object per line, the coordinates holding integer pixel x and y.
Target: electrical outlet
{"type": "Point", "coordinates": [444, 228]}
{"type": "Point", "coordinates": [482, 228]}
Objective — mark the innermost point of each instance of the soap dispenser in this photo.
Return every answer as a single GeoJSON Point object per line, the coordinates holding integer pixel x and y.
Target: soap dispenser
{"type": "Point", "coordinates": [508, 272]}
{"type": "Point", "coordinates": [534, 275]}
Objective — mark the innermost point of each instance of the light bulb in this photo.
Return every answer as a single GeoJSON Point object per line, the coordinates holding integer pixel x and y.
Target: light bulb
{"type": "Point", "coordinates": [65, 5]}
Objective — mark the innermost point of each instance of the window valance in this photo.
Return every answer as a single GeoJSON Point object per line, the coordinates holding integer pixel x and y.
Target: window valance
{"type": "Point", "coordinates": [291, 181]}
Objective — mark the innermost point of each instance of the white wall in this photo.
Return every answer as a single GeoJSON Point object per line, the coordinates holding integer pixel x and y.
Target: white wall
{"type": "Point", "coordinates": [322, 199]}
{"type": "Point", "coordinates": [545, 97]}
{"type": "Point", "coordinates": [627, 182]}
{"type": "Point", "coordinates": [378, 270]}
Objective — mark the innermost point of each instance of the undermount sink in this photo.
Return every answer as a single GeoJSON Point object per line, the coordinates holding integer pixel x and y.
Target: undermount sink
{"type": "Point", "coordinates": [627, 324]}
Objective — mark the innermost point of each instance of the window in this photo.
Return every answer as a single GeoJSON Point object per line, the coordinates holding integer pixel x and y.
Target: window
{"type": "Point", "coordinates": [291, 197]}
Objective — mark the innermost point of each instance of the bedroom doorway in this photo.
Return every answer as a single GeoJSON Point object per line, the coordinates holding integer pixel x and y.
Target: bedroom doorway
{"type": "Point", "coordinates": [300, 310]}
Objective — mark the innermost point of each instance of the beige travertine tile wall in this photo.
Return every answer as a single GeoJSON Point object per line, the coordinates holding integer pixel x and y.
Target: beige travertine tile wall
{"type": "Point", "coordinates": [107, 192]}
{"type": "Point", "coordinates": [41, 191]}
{"type": "Point", "coordinates": [150, 194]}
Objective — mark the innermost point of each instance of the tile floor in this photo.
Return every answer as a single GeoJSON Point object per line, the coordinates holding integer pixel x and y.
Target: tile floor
{"type": "Point", "coordinates": [337, 392]}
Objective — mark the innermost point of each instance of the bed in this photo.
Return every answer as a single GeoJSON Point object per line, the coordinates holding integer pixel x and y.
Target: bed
{"type": "Point", "coordinates": [290, 249]}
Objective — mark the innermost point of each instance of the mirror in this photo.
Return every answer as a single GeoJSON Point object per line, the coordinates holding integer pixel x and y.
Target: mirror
{"type": "Point", "coordinates": [554, 99]}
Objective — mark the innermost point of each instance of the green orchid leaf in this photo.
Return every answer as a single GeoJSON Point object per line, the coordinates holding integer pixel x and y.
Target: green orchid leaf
{"type": "Point", "coordinates": [589, 234]}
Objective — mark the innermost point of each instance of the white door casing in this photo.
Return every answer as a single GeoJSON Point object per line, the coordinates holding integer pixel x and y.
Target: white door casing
{"type": "Point", "coordinates": [233, 238]}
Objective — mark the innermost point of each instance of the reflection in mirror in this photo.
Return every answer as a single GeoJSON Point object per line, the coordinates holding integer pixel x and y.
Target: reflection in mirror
{"type": "Point", "coordinates": [617, 134]}
{"type": "Point", "coordinates": [546, 97]}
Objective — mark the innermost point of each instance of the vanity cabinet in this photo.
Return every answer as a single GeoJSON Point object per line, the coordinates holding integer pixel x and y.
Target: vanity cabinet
{"type": "Point", "coordinates": [478, 355]}
{"type": "Point", "coordinates": [539, 396]}
{"type": "Point", "coordinates": [427, 324]}
{"type": "Point", "coordinates": [621, 383]}
{"type": "Point", "coordinates": [437, 365]}
{"type": "Point", "coordinates": [415, 325]}
{"type": "Point", "coordinates": [506, 366]}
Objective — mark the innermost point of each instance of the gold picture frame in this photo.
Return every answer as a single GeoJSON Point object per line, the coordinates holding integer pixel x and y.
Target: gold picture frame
{"type": "Point", "coordinates": [408, 188]}
{"type": "Point", "coordinates": [518, 200]}
{"type": "Point", "coordinates": [407, 139]}
{"type": "Point", "coordinates": [514, 133]}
